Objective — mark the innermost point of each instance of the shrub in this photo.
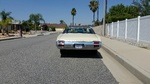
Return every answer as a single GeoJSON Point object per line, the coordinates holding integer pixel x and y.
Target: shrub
{"type": "Point", "coordinates": [53, 28]}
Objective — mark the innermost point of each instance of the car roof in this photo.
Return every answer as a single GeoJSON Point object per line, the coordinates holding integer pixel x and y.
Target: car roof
{"type": "Point", "coordinates": [79, 27]}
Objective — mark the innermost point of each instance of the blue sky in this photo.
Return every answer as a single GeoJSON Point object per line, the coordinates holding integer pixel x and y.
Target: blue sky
{"type": "Point", "coordinates": [55, 10]}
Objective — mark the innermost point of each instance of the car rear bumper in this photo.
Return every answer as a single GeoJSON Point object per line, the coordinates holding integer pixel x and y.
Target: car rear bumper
{"type": "Point", "coordinates": [79, 46]}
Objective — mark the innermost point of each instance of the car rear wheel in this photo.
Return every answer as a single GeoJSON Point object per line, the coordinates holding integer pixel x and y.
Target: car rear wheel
{"type": "Point", "coordinates": [62, 52]}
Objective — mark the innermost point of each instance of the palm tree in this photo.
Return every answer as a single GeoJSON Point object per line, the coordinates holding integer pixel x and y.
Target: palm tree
{"type": "Point", "coordinates": [36, 18]}
{"type": "Point", "coordinates": [98, 11]}
{"type": "Point", "coordinates": [93, 7]}
{"type": "Point", "coordinates": [73, 13]}
{"type": "Point", "coordinates": [6, 19]}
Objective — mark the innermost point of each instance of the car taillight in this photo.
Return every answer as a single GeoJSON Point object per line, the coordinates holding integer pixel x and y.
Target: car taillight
{"type": "Point", "coordinates": [96, 43]}
{"type": "Point", "coordinates": [61, 43]}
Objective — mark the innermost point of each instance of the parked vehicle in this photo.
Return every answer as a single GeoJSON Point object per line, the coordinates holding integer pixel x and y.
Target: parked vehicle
{"type": "Point", "coordinates": [77, 38]}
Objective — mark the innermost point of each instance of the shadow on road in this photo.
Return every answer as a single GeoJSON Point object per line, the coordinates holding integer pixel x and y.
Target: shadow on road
{"type": "Point", "coordinates": [82, 54]}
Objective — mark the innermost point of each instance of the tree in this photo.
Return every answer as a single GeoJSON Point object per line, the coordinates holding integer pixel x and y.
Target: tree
{"type": "Point", "coordinates": [97, 23]}
{"type": "Point", "coordinates": [143, 7]}
{"type": "Point", "coordinates": [36, 18]}
{"type": "Point", "coordinates": [27, 25]}
{"type": "Point", "coordinates": [121, 12]}
{"type": "Point", "coordinates": [45, 27]}
{"type": "Point", "coordinates": [73, 13]}
{"type": "Point", "coordinates": [6, 20]}
{"type": "Point", "coordinates": [62, 22]}
{"type": "Point", "coordinates": [93, 7]}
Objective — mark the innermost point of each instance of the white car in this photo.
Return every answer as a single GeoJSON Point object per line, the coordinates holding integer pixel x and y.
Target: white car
{"type": "Point", "coordinates": [78, 39]}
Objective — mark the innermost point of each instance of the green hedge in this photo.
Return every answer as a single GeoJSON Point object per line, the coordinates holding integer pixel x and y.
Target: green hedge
{"type": "Point", "coordinates": [53, 28]}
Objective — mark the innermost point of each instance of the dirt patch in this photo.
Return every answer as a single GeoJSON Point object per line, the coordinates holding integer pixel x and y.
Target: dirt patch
{"type": "Point", "coordinates": [1, 36]}
{"type": "Point", "coordinates": [4, 36]}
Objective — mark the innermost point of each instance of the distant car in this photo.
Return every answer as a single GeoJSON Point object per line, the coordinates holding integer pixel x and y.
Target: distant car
{"type": "Point", "coordinates": [77, 38]}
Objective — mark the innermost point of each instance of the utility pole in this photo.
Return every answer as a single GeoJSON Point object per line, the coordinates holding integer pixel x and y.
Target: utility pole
{"type": "Point", "coordinates": [104, 18]}
{"type": "Point", "coordinates": [98, 11]}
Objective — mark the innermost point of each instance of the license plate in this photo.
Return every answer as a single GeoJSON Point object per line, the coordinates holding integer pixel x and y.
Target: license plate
{"type": "Point", "coordinates": [78, 46]}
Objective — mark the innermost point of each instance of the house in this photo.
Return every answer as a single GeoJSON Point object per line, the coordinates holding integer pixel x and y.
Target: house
{"type": "Point", "coordinates": [58, 27]}
{"type": "Point", "coordinates": [12, 27]}
{"type": "Point", "coordinates": [15, 25]}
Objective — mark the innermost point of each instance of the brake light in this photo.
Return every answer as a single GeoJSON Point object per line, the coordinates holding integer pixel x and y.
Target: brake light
{"type": "Point", "coordinates": [61, 43]}
{"type": "Point", "coordinates": [96, 44]}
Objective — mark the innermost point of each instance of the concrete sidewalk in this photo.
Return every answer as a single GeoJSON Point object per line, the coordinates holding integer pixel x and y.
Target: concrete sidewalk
{"type": "Point", "coordinates": [135, 59]}
{"type": "Point", "coordinates": [17, 36]}
{"type": "Point", "coordinates": [10, 38]}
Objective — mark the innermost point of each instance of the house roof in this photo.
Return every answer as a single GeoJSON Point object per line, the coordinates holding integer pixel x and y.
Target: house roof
{"type": "Point", "coordinates": [57, 25]}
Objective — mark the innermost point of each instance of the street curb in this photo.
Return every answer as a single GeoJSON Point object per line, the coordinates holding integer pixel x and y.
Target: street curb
{"type": "Point", "coordinates": [10, 38]}
{"type": "Point", "coordinates": [134, 69]}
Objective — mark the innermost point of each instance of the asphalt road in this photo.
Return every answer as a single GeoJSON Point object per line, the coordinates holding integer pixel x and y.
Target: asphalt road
{"type": "Point", "coordinates": [36, 60]}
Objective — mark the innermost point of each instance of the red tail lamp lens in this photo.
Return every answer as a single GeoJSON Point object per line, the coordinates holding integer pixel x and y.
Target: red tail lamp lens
{"type": "Point", "coordinates": [96, 44]}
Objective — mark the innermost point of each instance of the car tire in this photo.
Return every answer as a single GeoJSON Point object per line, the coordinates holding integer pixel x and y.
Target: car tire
{"type": "Point", "coordinates": [62, 52]}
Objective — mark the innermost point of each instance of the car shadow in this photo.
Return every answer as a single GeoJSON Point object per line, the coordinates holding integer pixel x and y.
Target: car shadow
{"type": "Point", "coordinates": [82, 54]}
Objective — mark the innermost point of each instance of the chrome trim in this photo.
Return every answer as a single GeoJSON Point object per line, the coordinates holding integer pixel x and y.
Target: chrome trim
{"type": "Point", "coordinates": [69, 45]}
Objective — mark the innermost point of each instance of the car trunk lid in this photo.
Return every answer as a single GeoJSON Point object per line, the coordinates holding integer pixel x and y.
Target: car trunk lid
{"type": "Point", "coordinates": [79, 37]}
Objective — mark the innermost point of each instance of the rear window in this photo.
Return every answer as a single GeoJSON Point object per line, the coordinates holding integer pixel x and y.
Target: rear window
{"type": "Point", "coordinates": [79, 30]}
